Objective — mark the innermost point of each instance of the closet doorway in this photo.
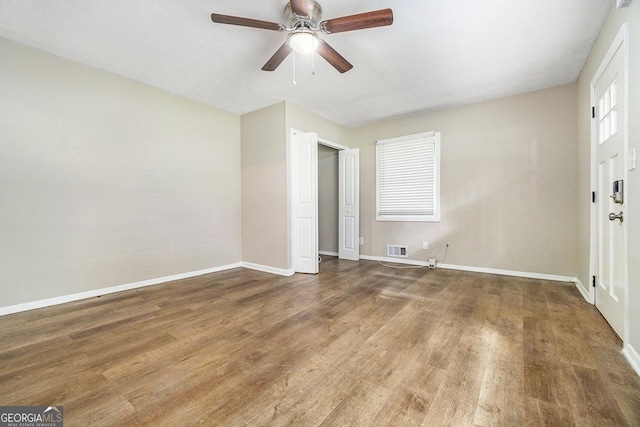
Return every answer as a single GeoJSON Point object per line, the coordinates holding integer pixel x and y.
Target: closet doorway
{"type": "Point", "coordinates": [303, 170]}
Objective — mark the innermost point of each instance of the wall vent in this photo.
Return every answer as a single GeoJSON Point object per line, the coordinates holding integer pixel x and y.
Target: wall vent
{"type": "Point", "coordinates": [397, 250]}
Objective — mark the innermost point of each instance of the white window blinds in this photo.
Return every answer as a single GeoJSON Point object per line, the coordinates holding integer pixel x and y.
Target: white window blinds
{"type": "Point", "coordinates": [407, 178]}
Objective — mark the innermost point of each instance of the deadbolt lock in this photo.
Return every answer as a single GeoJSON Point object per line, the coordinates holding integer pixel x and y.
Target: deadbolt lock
{"type": "Point", "coordinates": [617, 193]}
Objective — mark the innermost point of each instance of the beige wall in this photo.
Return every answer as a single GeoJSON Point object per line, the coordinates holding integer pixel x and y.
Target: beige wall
{"type": "Point", "coordinates": [305, 121]}
{"type": "Point", "coordinates": [507, 182]}
{"type": "Point", "coordinates": [265, 224]}
{"type": "Point", "coordinates": [266, 229]}
{"type": "Point", "coordinates": [612, 25]}
{"type": "Point", "coordinates": [105, 181]}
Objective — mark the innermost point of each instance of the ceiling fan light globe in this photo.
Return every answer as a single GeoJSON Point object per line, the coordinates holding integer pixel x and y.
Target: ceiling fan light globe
{"type": "Point", "coordinates": [303, 41]}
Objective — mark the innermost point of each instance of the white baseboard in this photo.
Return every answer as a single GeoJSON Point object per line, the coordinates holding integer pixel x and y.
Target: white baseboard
{"type": "Point", "coordinates": [525, 274]}
{"type": "Point", "coordinates": [32, 305]}
{"type": "Point", "coordinates": [268, 269]}
{"type": "Point", "coordinates": [633, 357]}
{"type": "Point", "coordinates": [584, 291]}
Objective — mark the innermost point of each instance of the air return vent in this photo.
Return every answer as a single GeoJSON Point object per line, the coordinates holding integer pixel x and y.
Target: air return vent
{"type": "Point", "coordinates": [396, 250]}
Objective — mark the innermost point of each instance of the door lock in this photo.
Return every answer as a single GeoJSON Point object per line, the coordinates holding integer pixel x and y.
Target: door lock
{"type": "Point", "coordinates": [618, 193]}
{"type": "Point", "coordinates": [613, 217]}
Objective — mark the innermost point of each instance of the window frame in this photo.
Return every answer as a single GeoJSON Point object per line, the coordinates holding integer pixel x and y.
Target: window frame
{"type": "Point", "coordinates": [428, 137]}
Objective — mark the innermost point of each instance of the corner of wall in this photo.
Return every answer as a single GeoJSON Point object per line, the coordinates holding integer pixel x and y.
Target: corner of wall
{"type": "Point", "coordinates": [264, 187]}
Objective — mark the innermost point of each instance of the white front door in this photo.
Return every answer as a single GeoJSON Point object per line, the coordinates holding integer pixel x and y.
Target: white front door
{"type": "Point", "coordinates": [349, 204]}
{"type": "Point", "coordinates": [304, 188]}
{"type": "Point", "coordinates": [610, 206]}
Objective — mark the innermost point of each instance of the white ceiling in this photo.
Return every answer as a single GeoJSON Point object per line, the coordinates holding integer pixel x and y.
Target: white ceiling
{"type": "Point", "coordinates": [437, 53]}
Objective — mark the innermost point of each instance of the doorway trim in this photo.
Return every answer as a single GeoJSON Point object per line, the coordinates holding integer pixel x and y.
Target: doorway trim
{"type": "Point", "coordinates": [329, 144]}
{"type": "Point", "coordinates": [621, 41]}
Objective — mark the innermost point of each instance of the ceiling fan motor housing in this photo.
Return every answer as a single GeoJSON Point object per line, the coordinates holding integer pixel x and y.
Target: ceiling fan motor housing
{"type": "Point", "coordinates": [310, 21]}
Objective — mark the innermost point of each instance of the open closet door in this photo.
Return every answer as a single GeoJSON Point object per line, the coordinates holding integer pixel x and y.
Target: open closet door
{"type": "Point", "coordinates": [349, 204]}
{"type": "Point", "coordinates": [304, 161]}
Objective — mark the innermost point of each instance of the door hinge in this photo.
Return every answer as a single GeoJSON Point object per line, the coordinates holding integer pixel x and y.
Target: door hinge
{"type": "Point", "coordinates": [593, 281]}
{"type": "Point", "coordinates": [593, 112]}
{"type": "Point", "coordinates": [593, 197]}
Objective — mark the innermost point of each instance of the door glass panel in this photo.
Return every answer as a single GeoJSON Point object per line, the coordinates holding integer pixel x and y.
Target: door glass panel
{"type": "Point", "coordinates": [608, 112]}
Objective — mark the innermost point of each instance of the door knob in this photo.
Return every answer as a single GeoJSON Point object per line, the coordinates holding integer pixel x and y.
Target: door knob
{"type": "Point", "coordinates": [613, 217]}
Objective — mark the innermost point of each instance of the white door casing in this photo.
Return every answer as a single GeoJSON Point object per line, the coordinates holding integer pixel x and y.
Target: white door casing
{"type": "Point", "coordinates": [304, 188]}
{"type": "Point", "coordinates": [349, 204]}
{"type": "Point", "coordinates": [609, 147]}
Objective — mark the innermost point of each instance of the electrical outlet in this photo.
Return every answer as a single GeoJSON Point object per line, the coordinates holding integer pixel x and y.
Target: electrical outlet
{"type": "Point", "coordinates": [425, 245]}
{"type": "Point", "coordinates": [362, 240]}
{"type": "Point", "coordinates": [432, 263]}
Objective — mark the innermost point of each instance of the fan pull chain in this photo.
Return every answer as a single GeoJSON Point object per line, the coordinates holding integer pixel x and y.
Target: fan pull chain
{"type": "Point", "coordinates": [313, 63]}
{"type": "Point", "coordinates": [294, 68]}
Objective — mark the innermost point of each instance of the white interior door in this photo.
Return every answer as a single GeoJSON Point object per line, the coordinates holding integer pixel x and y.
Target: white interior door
{"type": "Point", "coordinates": [304, 188]}
{"type": "Point", "coordinates": [609, 93]}
{"type": "Point", "coordinates": [349, 204]}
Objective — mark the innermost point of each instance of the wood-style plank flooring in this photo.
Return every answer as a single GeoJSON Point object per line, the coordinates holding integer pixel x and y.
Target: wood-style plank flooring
{"type": "Point", "coordinates": [358, 344]}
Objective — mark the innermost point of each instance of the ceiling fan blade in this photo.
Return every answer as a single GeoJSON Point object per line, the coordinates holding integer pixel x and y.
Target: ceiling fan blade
{"type": "Point", "coordinates": [246, 22]}
{"type": "Point", "coordinates": [377, 18]}
{"type": "Point", "coordinates": [300, 7]}
{"type": "Point", "coordinates": [277, 58]}
{"type": "Point", "coordinates": [333, 57]}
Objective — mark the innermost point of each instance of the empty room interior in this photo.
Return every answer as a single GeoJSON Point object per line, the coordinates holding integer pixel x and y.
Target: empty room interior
{"type": "Point", "coordinates": [321, 212]}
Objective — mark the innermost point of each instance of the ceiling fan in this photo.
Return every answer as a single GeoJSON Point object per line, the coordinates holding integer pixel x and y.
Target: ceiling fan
{"type": "Point", "coordinates": [304, 19]}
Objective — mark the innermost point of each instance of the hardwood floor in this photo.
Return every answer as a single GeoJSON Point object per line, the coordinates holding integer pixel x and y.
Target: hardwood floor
{"type": "Point", "coordinates": [358, 344]}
